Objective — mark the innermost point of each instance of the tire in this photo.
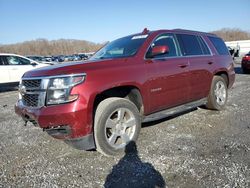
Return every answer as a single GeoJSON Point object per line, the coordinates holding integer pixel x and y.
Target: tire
{"type": "Point", "coordinates": [218, 94]}
{"type": "Point", "coordinates": [117, 122]}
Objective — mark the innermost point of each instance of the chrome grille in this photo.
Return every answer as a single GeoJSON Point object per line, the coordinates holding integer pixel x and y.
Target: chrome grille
{"type": "Point", "coordinates": [32, 92]}
{"type": "Point", "coordinates": [31, 100]}
{"type": "Point", "coordinates": [32, 83]}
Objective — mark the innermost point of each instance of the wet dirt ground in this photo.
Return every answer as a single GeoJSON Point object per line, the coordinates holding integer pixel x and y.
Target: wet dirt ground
{"type": "Point", "coordinates": [200, 148]}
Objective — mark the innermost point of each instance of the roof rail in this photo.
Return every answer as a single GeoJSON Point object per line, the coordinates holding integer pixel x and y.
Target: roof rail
{"type": "Point", "coordinates": [186, 30]}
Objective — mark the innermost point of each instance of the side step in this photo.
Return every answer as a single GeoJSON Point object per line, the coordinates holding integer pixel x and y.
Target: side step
{"type": "Point", "coordinates": [174, 110]}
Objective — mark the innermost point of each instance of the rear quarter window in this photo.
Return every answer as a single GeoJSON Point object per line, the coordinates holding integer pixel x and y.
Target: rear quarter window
{"type": "Point", "coordinates": [219, 45]}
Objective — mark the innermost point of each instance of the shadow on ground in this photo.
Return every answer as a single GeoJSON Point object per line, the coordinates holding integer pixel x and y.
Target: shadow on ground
{"type": "Point", "coordinates": [132, 172]}
{"type": "Point", "coordinates": [8, 88]}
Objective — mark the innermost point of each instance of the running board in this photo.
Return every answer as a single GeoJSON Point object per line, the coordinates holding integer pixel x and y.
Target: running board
{"type": "Point", "coordinates": [174, 110]}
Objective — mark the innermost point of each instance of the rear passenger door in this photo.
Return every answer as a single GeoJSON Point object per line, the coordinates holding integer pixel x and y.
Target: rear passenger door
{"type": "Point", "coordinates": [195, 49]}
{"type": "Point", "coordinates": [4, 69]}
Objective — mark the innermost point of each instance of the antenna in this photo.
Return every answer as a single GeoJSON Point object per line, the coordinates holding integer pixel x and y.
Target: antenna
{"type": "Point", "coordinates": [145, 31]}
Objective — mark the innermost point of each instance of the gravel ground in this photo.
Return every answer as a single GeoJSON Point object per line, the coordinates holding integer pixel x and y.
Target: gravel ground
{"type": "Point", "coordinates": [201, 148]}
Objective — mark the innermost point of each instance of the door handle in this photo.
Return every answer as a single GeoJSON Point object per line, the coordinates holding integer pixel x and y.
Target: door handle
{"type": "Point", "coordinates": [183, 65]}
{"type": "Point", "coordinates": [14, 68]}
{"type": "Point", "coordinates": [210, 62]}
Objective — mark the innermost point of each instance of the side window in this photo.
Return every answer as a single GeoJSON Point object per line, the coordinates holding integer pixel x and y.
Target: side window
{"type": "Point", "coordinates": [189, 44]}
{"type": "Point", "coordinates": [219, 45]}
{"type": "Point", "coordinates": [23, 61]}
{"type": "Point", "coordinates": [13, 60]}
{"type": "Point", "coordinates": [204, 47]}
{"type": "Point", "coordinates": [1, 61]}
{"type": "Point", "coordinates": [165, 40]}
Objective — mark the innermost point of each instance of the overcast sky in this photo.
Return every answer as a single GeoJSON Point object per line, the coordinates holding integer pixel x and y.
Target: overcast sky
{"type": "Point", "coordinates": [105, 20]}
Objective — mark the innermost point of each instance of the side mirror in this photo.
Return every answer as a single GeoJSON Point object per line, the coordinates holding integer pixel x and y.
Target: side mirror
{"type": "Point", "coordinates": [159, 50]}
{"type": "Point", "coordinates": [33, 63]}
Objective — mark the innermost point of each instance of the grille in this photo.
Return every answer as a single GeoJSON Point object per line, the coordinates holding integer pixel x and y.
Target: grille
{"type": "Point", "coordinates": [31, 95]}
{"type": "Point", "coordinates": [32, 83]}
{"type": "Point", "coordinates": [31, 99]}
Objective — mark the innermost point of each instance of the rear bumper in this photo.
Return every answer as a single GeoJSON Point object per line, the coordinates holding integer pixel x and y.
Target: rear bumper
{"type": "Point", "coordinates": [64, 121]}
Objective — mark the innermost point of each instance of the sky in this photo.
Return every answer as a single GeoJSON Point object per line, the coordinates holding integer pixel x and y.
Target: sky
{"type": "Point", "coordinates": [106, 20]}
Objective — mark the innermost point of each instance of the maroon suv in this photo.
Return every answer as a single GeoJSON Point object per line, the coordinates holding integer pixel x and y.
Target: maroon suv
{"type": "Point", "coordinates": [101, 103]}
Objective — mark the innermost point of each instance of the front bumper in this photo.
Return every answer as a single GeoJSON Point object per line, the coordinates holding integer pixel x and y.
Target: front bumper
{"type": "Point", "coordinates": [64, 121]}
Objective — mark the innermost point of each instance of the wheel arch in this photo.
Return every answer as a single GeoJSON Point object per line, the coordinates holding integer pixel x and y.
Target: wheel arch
{"type": "Point", "coordinates": [224, 75]}
{"type": "Point", "coordinates": [129, 92]}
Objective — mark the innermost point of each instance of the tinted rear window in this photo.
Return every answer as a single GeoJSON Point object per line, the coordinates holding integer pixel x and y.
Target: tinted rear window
{"type": "Point", "coordinates": [219, 45]}
{"type": "Point", "coordinates": [189, 44]}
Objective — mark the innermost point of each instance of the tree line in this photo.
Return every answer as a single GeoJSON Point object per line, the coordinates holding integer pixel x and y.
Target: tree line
{"type": "Point", "coordinates": [69, 46]}
{"type": "Point", "coordinates": [232, 34]}
{"type": "Point", "coordinates": [45, 47]}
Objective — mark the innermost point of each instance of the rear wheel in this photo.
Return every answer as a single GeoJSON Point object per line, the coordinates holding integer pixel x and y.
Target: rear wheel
{"type": "Point", "coordinates": [117, 122]}
{"type": "Point", "coordinates": [218, 94]}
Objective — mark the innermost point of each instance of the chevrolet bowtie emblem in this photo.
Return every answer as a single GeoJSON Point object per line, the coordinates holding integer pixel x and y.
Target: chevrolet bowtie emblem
{"type": "Point", "coordinates": [22, 89]}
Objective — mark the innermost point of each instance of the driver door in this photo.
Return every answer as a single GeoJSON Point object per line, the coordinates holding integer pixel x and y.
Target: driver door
{"type": "Point", "coordinates": [168, 75]}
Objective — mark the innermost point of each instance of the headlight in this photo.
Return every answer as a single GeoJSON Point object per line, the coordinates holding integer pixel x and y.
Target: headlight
{"type": "Point", "coordinates": [59, 88]}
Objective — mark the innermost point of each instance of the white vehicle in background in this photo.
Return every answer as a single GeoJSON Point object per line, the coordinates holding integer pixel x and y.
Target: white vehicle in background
{"type": "Point", "coordinates": [12, 68]}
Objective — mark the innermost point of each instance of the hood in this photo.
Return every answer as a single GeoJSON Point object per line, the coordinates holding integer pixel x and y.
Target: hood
{"type": "Point", "coordinates": [73, 68]}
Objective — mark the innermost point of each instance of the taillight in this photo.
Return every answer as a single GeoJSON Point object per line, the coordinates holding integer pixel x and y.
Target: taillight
{"type": "Point", "coordinates": [247, 57]}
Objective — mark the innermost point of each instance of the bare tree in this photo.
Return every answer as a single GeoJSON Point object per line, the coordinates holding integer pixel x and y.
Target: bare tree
{"type": "Point", "coordinates": [54, 47]}
{"type": "Point", "coordinates": [232, 34]}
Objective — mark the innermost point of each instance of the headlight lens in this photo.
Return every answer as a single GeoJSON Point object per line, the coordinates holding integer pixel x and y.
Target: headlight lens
{"type": "Point", "coordinates": [59, 89]}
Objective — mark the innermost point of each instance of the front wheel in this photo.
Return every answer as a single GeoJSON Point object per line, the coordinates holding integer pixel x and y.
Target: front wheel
{"type": "Point", "coordinates": [117, 122]}
{"type": "Point", "coordinates": [218, 94]}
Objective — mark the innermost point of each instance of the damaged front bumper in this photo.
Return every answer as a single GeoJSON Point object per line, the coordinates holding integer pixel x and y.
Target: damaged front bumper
{"type": "Point", "coordinates": [61, 122]}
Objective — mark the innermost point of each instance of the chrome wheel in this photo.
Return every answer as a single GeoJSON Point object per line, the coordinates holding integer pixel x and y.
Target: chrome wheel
{"type": "Point", "coordinates": [220, 93]}
{"type": "Point", "coordinates": [120, 128]}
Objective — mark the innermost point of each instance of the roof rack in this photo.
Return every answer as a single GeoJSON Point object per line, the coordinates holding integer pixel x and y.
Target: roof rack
{"type": "Point", "coordinates": [189, 31]}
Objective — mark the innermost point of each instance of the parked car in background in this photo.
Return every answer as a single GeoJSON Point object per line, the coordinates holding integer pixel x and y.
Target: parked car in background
{"type": "Point", "coordinates": [48, 58]}
{"type": "Point", "coordinates": [245, 63]}
{"type": "Point", "coordinates": [13, 67]}
{"type": "Point", "coordinates": [146, 76]}
{"type": "Point", "coordinates": [76, 57]}
{"type": "Point", "coordinates": [40, 59]}
{"type": "Point", "coordinates": [83, 56]}
{"type": "Point", "coordinates": [58, 58]}
{"type": "Point", "coordinates": [68, 58]}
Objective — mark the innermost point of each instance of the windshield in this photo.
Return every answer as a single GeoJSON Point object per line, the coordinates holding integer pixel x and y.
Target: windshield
{"type": "Point", "coordinates": [123, 47]}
